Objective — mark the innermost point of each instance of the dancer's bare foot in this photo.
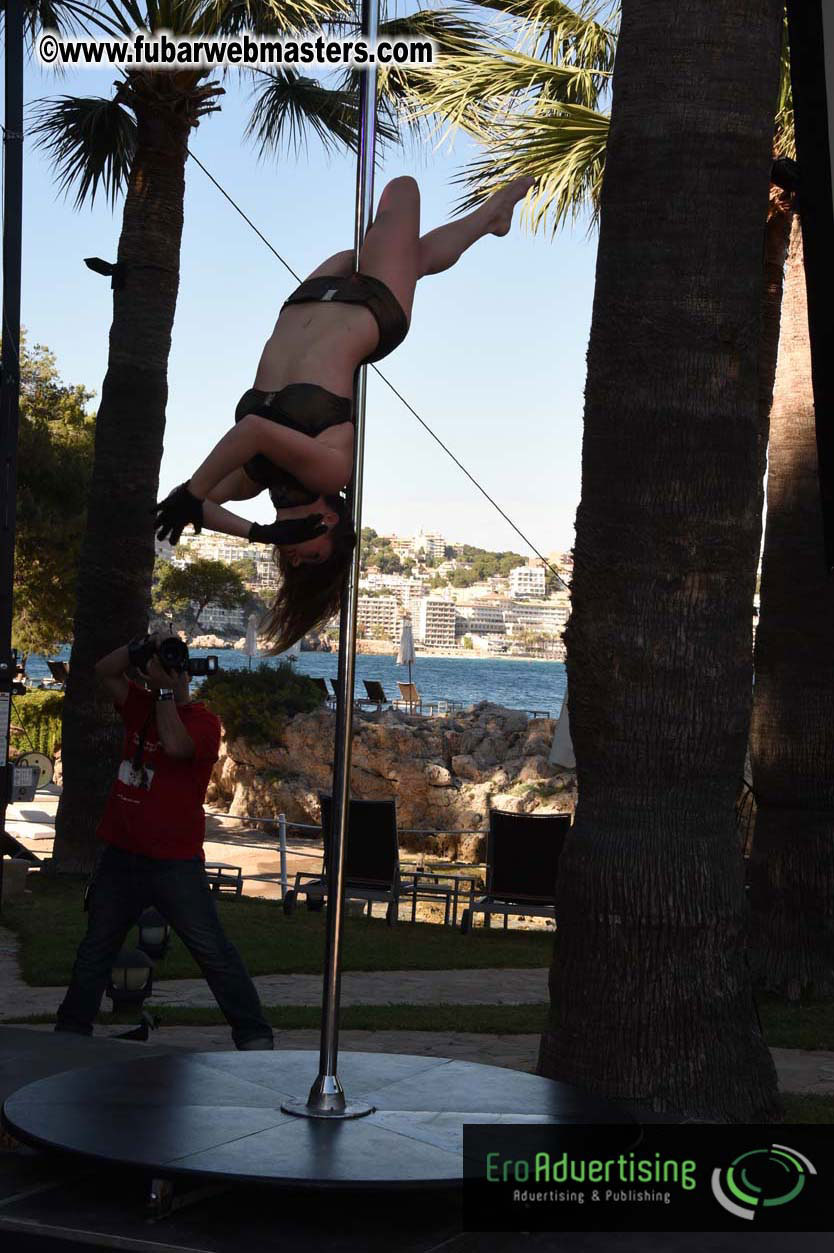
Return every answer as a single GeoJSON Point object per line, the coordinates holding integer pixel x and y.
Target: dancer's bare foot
{"type": "Point", "coordinates": [499, 207]}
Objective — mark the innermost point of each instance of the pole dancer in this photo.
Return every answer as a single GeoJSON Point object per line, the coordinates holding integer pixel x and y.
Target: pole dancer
{"type": "Point", "coordinates": [294, 429]}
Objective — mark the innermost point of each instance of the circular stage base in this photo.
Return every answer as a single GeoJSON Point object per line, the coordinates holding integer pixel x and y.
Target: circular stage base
{"type": "Point", "coordinates": [218, 1116]}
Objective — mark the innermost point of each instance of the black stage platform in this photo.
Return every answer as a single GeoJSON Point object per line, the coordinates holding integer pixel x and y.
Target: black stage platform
{"type": "Point", "coordinates": [218, 1116]}
{"type": "Point", "coordinates": [65, 1204]}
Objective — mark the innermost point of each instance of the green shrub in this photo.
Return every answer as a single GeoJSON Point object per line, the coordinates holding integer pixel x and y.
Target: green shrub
{"type": "Point", "coordinates": [38, 714]}
{"type": "Point", "coordinates": [255, 704]}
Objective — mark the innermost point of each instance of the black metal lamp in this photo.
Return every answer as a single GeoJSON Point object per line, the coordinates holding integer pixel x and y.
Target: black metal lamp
{"type": "Point", "coordinates": [131, 978]}
{"type": "Point", "coordinates": [154, 934]}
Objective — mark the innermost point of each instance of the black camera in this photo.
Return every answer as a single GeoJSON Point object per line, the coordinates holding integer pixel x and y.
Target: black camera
{"type": "Point", "coordinates": [173, 656]}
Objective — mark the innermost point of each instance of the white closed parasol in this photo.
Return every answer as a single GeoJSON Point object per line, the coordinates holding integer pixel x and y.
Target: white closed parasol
{"type": "Point", "coordinates": [405, 653]}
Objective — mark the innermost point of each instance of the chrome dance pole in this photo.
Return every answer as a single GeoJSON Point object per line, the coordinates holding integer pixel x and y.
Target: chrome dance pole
{"type": "Point", "coordinates": [327, 1098]}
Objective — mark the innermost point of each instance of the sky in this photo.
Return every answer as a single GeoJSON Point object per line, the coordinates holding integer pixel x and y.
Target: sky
{"type": "Point", "coordinates": [494, 361]}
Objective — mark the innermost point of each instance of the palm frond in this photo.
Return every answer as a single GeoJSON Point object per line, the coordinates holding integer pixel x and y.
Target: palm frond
{"type": "Point", "coordinates": [275, 17]}
{"type": "Point", "coordinates": [91, 142]}
{"type": "Point", "coordinates": [570, 35]}
{"type": "Point", "coordinates": [67, 17]}
{"type": "Point", "coordinates": [564, 152]}
{"type": "Point", "coordinates": [502, 79]}
{"type": "Point", "coordinates": [290, 106]}
{"type": "Point", "coordinates": [401, 87]}
{"type": "Point", "coordinates": [785, 136]}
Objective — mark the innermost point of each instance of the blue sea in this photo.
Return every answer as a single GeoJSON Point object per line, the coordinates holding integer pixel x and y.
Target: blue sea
{"type": "Point", "coordinates": [538, 685]}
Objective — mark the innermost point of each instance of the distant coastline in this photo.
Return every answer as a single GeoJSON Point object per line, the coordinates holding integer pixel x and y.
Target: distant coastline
{"type": "Point", "coordinates": [385, 648]}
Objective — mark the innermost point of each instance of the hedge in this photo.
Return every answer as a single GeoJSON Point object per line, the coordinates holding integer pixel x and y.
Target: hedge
{"type": "Point", "coordinates": [38, 714]}
{"type": "Point", "coordinates": [255, 704]}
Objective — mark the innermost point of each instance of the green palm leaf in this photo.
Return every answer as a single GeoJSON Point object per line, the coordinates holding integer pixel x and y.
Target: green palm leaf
{"type": "Point", "coordinates": [785, 137]}
{"type": "Point", "coordinates": [467, 90]}
{"type": "Point", "coordinates": [289, 105]}
{"type": "Point", "coordinates": [400, 87]}
{"type": "Point", "coordinates": [572, 35]}
{"type": "Point", "coordinates": [91, 141]}
{"type": "Point", "coordinates": [564, 152]}
{"type": "Point", "coordinates": [277, 17]}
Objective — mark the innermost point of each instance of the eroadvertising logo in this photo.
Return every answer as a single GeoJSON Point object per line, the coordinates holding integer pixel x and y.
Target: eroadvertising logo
{"type": "Point", "coordinates": [660, 1177]}
{"type": "Point", "coordinates": [771, 1176]}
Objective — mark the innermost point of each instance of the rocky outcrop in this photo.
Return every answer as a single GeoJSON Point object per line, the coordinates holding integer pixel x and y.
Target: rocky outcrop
{"type": "Point", "coordinates": [444, 772]}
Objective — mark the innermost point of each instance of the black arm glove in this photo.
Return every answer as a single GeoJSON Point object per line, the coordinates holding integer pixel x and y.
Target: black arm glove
{"type": "Point", "coordinates": [175, 512]}
{"type": "Point", "coordinates": [288, 530]}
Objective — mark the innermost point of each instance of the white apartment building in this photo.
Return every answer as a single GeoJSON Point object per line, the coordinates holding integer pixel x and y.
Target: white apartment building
{"type": "Point", "coordinates": [434, 622]}
{"type": "Point", "coordinates": [549, 616]}
{"type": "Point", "coordinates": [432, 543]}
{"type": "Point", "coordinates": [527, 581]}
{"type": "Point", "coordinates": [482, 618]}
{"type": "Point", "coordinates": [406, 590]}
{"type": "Point", "coordinates": [227, 548]}
{"type": "Point", "coordinates": [214, 618]}
{"type": "Point", "coordinates": [378, 615]}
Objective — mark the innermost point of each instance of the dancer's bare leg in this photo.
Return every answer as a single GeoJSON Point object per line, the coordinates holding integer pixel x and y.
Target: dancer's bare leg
{"type": "Point", "coordinates": [391, 251]}
{"type": "Point", "coordinates": [441, 248]}
{"type": "Point", "coordinates": [395, 252]}
{"type": "Point", "coordinates": [396, 224]}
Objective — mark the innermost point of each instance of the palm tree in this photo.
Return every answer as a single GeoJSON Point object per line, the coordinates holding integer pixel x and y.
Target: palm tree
{"type": "Point", "coordinates": [792, 732]}
{"type": "Point", "coordinates": [793, 854]}
{"type": "Point", "coordinates": [137, 142]}
{"type": "Point", "coordinates": [651, 994]}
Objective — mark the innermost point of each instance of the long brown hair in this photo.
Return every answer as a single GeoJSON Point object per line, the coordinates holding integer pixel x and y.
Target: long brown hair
{"type": "Point", "coordinates": [310, 593]}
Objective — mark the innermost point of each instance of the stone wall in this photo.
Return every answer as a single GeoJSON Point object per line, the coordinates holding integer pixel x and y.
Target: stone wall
{"type": "Point", "coordinates": [444, 772]}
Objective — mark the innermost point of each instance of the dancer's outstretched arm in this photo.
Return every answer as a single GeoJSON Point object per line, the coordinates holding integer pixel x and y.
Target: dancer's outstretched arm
{"type": "Point", "coordinates": [216, 518]}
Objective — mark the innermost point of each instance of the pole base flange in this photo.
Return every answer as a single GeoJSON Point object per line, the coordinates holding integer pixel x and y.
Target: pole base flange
{"type": "Point", "coordinates": [351, 1109]}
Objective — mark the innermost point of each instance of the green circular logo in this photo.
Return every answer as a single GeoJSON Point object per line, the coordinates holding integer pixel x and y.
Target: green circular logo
{"type": "Point", "coordinates": [761, 1178]}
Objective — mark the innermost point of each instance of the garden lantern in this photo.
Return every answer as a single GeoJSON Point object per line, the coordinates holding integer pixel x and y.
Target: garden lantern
{"type": "Point", "coordinates": [154, 934]}
{"type": "Point", "coordinates": [131, 978]}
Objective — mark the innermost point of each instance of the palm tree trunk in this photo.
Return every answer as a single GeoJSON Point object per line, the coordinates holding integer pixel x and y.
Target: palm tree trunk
{"type": "Point", "coordinates": [114, 580]}
{"type": "Point", "coordinates": [792, 740]}
{"type": "Point", "coordinates": [651, 993]}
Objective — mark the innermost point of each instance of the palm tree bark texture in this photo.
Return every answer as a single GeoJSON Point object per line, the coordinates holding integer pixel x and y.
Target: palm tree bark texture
{"type": "Point", "coordinates": [650, 987]}
{"type": "Point", "coordinates": [792, 734]}
{"type": "Point", "coordinates": [117, 555]}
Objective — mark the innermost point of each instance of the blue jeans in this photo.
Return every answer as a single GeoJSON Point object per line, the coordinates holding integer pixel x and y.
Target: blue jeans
{"type": "Point", "coordinates": [123, 886]}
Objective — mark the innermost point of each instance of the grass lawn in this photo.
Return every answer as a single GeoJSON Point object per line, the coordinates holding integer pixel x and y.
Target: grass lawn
{"type": "Point", "coordinates": [806, 1026]}
{"type": "Point", "coordinates": [808, 1108]}
{"type": "Point", "coordinates": [50, 923]}
{"type": "Point", "coordinates": [483, 1019]}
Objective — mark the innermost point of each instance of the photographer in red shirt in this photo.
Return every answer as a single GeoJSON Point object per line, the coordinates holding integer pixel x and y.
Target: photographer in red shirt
{"type": "Point", "coordinates": [153, 827]}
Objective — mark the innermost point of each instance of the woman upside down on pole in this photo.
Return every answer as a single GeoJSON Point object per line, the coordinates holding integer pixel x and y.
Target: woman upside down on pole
{"type": "Point", "coordinates": [293, 433]}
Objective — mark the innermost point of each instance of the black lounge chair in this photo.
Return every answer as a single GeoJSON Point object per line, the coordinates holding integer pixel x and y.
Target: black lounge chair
{"type": "Point", "coordinates": [321, 684]}
{"type": "Point", "coordinates": [372, 859]}
{"type": "Point", "coordinates": [357, 701]}
{"type": "Point", "coordinates": [523, 853]}
{"type": "Point", "coordinates": [59, 671]}
{"type": "Point", "coordinates": [376, 695]}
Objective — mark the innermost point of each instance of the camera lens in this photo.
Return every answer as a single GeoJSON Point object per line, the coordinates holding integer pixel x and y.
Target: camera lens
{"type": "Point", "coordinates": [173, 654]}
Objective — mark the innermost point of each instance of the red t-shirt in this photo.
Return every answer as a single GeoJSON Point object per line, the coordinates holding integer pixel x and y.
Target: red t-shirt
{"type": "Point", "coordinates": [156, 809]}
